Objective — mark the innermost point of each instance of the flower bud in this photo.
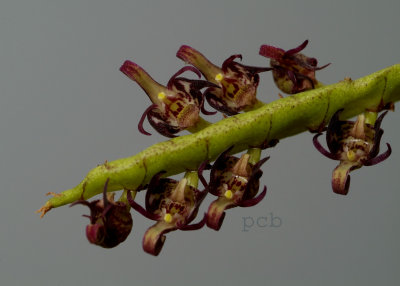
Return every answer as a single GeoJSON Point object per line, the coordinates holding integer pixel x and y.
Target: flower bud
{"type": "Point", "coordinates": [293, 72]}
{"type": "Point", "coordinates": [110, 222]}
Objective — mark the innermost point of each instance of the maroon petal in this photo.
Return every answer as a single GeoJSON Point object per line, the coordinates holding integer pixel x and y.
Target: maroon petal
{"type": "Point", "coordinates": [334, 131]}
{"type": "Point", "coordinates": [140, 209]}
{"type": "Point", "coordinates": [229, 60]}
{"type": "Point", "coordinates": [179, 72]}
{"type": "Point", "coordinates": [380, 158]}
{"type": "Point", "coordinates": [204, 166]}
{"type": "Point", "coordinates": [140, 125]}
{"type": "Point", "coordinates": [216, 102]}
{"type": "Point", "coordinates": [297, 49]}
{"type": "Point", "coordinates": [194, 226]}
{"type": "Point", "coordinates": [320, 68]}
{"type": "Point", "coordinates": [322, 150]}
{"type": "Point", "coordinates": [159, 123]}
{"type": "Point", "coordinates": [253, 201]}
{"type": "Point", "coordinates": [157, 191]}
{"type": "Point", "coordinates": [92, 207]}
{"type": "Point", "coordinates": [205, 111]}
{"type": "Point", "coordinates": [256, 70]}
{"type": "Point", "coordinates": [378, 135]}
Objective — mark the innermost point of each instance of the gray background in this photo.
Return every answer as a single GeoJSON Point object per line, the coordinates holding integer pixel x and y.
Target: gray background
{"type": "Point", "coordinates": [65, 107]}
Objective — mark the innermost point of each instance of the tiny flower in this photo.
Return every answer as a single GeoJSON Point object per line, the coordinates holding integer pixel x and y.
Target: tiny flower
{"type": "Point", "coordinates": [293, 72]}
{"type": "Point", "coordinates": [236, 83]}
{"type": "Point", "coordinates": [110, 222]}
{"type": "Point", "coordinates": [176, 106]}
{"type": "Point", "coordinates": [173, 204]}
{"type": "Point", "coordinates": [354, 144]}
{"type": "Point", "coordinates": [235, 182]}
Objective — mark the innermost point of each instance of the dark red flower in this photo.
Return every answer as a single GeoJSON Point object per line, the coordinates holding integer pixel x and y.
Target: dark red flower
{"type": "Point", "coordinates": [236, 83]}
{"type": "Point", "coordinates": [176, 106]}
{"type": "Point", "coordinates": [293, 72]}
{"type": "Point", "coordinates": [110, 222]}
{"type": "Point", "coordinates": [235, 182]}
{"type": "Point", "coordinates": [173, 204]}
{"type": "Point", "coordinates": [354, 144]}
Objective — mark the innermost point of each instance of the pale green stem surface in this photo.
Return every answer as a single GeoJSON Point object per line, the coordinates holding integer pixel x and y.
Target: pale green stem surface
{"type": "Point", "coordinates": [124, 199]}
{"type": "Point", "coordinates": [192, 178]}
{"type": "Point", "coordinates": [255, 155]}
{"type": "Point", "coordinates": [284, 117]}
{"type": "Point", "coordinates": [370, 117]}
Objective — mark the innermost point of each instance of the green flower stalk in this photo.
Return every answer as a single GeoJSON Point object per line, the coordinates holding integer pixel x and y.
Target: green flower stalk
{"type": "Point", "coordinates": [309, 110]}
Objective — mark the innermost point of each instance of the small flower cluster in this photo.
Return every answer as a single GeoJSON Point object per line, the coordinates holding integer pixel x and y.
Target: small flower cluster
{"type": "Point", "coordinates": [234, 181]}
{"type": "Point", "coordinates": [175, 204]}
{"type": "Point", "coordinates": [230, 89]}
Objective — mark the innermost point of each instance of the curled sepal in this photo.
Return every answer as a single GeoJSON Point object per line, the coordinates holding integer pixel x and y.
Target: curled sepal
{"type": "Point", "coordinates": [354, 144]}
{"type": "Point", "coordinates": [154, 238]}
{"type": "Point", "coordinates": [110, 222]}
{"type": "Point", "coordinates": [173, 204]}
{"type": "Point", "coordinates": [341, 177]}
{"type": "Point", "coordinates": [293, 72]}
{"type": "Point", "coordinates": [236, 182]}
{"type": "Point", "coordinates": [176, 106]}
{"type": "Point", "coordinates": [235, 84]}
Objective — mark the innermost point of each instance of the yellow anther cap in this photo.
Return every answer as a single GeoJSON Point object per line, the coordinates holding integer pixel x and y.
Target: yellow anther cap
{"type": "Point", "coordinates": [228, 194]}
{"type": "Point", "coordinates": [168, 218]}
{"type": "Point", "coordinates": [219, 77]}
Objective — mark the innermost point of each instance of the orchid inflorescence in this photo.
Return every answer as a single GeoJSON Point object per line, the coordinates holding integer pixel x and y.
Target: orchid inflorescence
{"type": "Point", "coordinates": [234, 181]}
